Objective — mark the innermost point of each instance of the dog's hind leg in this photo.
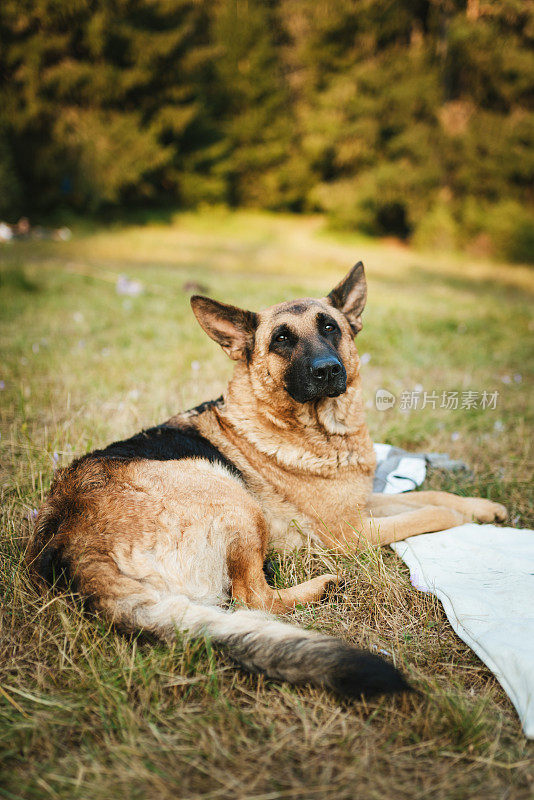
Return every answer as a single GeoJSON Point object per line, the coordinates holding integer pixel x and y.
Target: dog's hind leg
{"type": "Point", "coordinates": [245, 569]}
{"type": "Point", "coordinates": [255, 592]}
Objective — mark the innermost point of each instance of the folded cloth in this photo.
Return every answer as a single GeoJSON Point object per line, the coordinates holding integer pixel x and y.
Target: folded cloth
{"type": "Point", "coordinates": [399, 471]}
{"type": "Point", "coordinates": [396, 470]}
{"type": "Point", "coordinates": [484, 577]}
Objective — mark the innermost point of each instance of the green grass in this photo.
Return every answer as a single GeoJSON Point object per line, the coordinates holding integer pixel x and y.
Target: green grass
{"type": "Point", "coordinates": [88, 713]}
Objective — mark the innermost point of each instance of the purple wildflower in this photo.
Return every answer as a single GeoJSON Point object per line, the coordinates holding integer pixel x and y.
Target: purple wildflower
{"type": "Point", "coordinates": [129, 287]}
{"type": "Point", "coordinates": [417, 581]}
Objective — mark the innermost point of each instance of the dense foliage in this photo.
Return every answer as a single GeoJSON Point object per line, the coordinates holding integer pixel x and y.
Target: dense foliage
{"type": "Point", "coordinates": [403, 117]}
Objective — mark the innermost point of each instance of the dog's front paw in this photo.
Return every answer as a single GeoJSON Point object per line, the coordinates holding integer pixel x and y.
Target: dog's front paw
{"type": "Point", "coordinates": [487, 511]}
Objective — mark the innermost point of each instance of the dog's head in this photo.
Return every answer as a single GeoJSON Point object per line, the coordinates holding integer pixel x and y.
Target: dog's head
{"type": "Point", "coordinates": [302, 347]}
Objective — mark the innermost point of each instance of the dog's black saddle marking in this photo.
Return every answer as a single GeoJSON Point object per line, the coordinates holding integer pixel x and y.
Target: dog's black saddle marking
{"type": "Point", "coordinates": [166, 443]}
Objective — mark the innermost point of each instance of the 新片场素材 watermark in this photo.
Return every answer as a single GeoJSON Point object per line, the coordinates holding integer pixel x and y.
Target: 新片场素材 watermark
{"type": "Point", "coordinates": [418, 399]}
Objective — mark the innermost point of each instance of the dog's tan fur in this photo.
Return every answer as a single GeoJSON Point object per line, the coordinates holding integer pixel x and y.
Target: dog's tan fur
{"type": "Point", "coordinates": [161, 544]}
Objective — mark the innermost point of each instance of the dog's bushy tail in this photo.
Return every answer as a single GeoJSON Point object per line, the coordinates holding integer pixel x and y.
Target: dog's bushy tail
{"type": "Point", "coordinates": [262, 644]}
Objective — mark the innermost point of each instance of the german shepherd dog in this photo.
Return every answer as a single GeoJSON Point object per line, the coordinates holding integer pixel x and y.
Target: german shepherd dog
{"type": "Point", "coordinates": [162, 530]}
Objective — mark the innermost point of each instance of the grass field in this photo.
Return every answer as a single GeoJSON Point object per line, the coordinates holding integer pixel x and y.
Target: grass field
{"type": "Point", "coordinates": [88, 713]}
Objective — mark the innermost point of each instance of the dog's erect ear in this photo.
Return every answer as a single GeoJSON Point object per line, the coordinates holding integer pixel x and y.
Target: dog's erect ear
{"type": "Point", "coordinates": [231, 327]}
{"type": "Point", "coordinates": [350, 295]}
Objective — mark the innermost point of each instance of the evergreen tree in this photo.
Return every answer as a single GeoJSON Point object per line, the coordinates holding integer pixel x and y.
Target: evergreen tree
{"type": "Point", "coordinates": [411, 118]}
{"type": "Point", "coordinates": [409, 107]}
{"type": "Point", "coordinates": [105, 98]}
{"type": "Point", "coordinates": [253, 108]}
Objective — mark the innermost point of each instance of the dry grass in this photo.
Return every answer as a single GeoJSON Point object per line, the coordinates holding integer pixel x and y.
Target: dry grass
{"type": "Point", "coordinates": [88, 713]}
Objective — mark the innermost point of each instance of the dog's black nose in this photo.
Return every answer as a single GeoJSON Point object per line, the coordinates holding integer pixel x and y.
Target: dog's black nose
{"type": "Point", "coordinates": [324, 369]}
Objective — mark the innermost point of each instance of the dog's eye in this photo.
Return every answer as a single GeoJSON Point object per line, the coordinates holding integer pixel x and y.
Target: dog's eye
{"type": "Point", "coordinates": [328, 327]}
{"type": "Point", "coordinates": [282, 337]}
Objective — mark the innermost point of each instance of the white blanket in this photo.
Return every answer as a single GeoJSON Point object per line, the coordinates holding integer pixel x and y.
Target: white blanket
{"type": "Point", "coordinates": [484, 577]}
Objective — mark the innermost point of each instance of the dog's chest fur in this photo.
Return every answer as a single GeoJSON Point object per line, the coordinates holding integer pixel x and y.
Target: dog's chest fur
{"type": "Point", "coordinates": [310, 473]}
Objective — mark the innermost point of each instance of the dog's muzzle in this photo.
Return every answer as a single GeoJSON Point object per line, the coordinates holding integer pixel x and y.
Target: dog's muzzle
{"type": "Point", "coordinates": [321, 376]}
{"type": "Point", "coordinates": [329, 376]}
